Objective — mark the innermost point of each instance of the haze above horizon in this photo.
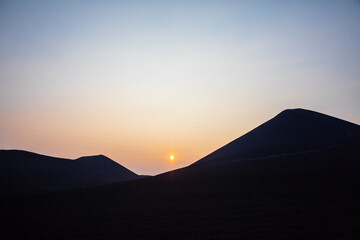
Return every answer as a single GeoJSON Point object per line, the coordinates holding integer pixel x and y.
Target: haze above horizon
{"type": "Point", "coordinates": [139, 81]}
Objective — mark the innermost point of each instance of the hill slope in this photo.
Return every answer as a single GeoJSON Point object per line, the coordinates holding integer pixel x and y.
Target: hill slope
{"type": "Point", "coordinates": [23, 172]}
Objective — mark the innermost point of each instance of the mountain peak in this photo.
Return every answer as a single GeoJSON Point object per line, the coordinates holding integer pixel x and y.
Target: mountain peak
{"type": "Point", "coordinates": [292, 130]}
{"type": "Point", "coordinates": [295, 110]}
{"type": "Point", "coordinates": [93, 157]}
{"type": "Point", "coordinates": [302, 112]}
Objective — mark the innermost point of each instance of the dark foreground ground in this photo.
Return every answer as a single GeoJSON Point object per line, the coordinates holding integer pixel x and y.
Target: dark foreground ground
{"type": "Point", "coordinates": [310, 196]}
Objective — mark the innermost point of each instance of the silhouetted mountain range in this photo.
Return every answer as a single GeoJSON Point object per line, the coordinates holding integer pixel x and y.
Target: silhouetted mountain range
{"type": "Point", "coordinates": [24, 172]}
{"type": "Point", "coordinates": [294, 177]}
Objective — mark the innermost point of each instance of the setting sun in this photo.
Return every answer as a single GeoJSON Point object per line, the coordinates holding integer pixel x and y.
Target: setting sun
{"type": "Point", "coordinates": [172, 157]}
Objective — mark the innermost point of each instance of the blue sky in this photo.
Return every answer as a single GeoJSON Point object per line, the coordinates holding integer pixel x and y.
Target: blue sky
{"type": "Point", "coordinates": [136, 80]}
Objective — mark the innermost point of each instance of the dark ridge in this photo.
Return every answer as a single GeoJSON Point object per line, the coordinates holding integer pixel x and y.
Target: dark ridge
{"type": "Point", "coordinates": [94, 157]}
{"type": "Point", "coordinates": [23, 172]}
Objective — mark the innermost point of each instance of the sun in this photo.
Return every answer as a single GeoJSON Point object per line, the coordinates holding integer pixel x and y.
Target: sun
{"type": "Point", "coordinates": [172, 157]}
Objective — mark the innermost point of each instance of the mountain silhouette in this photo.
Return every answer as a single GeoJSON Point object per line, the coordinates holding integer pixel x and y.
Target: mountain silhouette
{"type": "Point", "coordinates": [293, 131]}
{"type": "Point", "coordinates": [294, 177]}
{"type": "Point", "coordinates": [24, 172]}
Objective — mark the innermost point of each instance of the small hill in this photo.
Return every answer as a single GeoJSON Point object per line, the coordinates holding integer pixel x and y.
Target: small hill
{"type": "Point", "coordinates": [23, 172]}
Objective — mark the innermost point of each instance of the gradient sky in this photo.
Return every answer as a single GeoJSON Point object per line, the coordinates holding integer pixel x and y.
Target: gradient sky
{"type": "Point", "coordinates": [140, 80]}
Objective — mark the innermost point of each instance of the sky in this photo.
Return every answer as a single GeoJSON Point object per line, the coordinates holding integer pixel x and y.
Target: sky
{"type": "Point", "coordinates": [138, 81]}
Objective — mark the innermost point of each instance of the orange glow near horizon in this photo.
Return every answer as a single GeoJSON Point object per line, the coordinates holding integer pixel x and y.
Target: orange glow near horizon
{"type": "Point", "coordinates": [139, 146]}
{"type": "Point", "coordinates": [139, 89]}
